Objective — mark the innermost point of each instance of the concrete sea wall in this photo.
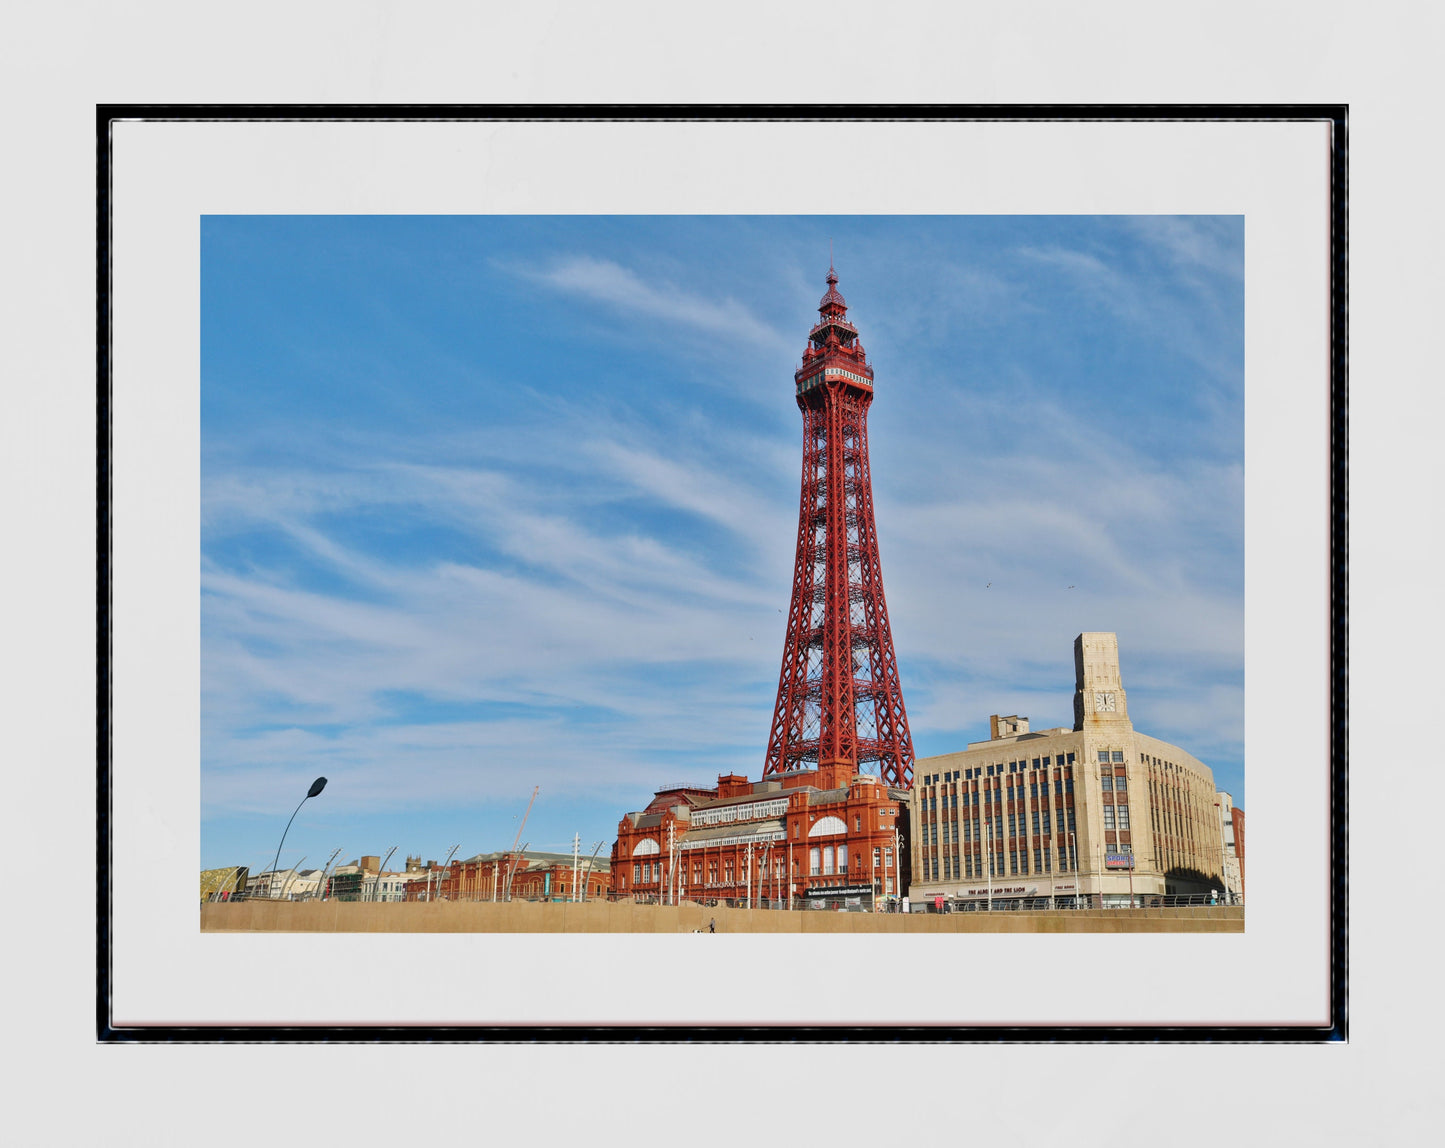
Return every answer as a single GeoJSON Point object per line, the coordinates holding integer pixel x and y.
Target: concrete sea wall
{"type": "Point", "coordinates": [626, 917]}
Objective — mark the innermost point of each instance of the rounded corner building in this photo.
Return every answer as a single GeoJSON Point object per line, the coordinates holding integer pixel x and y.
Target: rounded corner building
{"type": "Point", "coordinates": [1101, 815]}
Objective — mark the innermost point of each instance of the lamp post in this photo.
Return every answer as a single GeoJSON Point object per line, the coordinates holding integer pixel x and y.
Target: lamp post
{"type": "Point", "coordinates": [988, 859]}
{"type": "Point", "coordinates": [586, 878]}
{"type": "Point", "coordinates": [316, 787]}
{"type": "Point", "coordinates": [379, 871]}
{"type": "Point", "coordinates": [325, 869]}
{"type": "Point", "coordinates": [512, 871]}
{"type": "Point", "coordinates": [446, 868]}
{"type": "Point", "coordinates": [1223, 867]}
{"type": "Point", "coordinates": [291, 875]}
{"type": "Point", "coordinates": [897, 866]}
{"type": "Point", "coordinates": [1122, 811]}
{"type": "Point", "coordinates": [1074, 857]}
{"type": "Point", "coordinates": [676, 869]}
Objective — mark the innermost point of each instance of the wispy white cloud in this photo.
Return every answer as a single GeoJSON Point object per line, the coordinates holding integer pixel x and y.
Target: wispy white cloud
{"type": "Point", "coordinates": [588, 590]}
{"type": "Point", "coordinates": [622, 289]}
{"type": "Point", "coordinates": [1180, 303]}
{"type": "Point", "coordinates": [1194, 243]}
{"type": "Point", "coordinates": [708, 492]}
{"type": "Point", "coordinates": [1104, 283]}
{"type": "Point", "coordinates": [565, 616]}
{"type": "Point", "coordinates": [556, 616]}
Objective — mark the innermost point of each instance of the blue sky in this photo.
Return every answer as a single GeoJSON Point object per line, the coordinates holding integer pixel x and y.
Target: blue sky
{"type": "Point", "coordinates": [498, 502]}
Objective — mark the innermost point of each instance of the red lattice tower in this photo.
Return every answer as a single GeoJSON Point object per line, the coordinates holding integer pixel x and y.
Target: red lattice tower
{"type": "Point", "coordinates": [840, 705]}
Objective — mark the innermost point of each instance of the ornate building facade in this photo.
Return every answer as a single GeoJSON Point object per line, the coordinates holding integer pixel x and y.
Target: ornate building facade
{"type": "Point", "coordinates": [823, 838]}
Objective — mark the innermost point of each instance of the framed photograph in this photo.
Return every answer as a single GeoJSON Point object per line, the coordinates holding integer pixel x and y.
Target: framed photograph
{"type": "Point", "coordinates": [451, 474]}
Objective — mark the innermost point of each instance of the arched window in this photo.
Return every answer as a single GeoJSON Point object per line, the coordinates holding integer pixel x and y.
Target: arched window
{"type": "Point", "coordinates": [826, 826]}
{"type": "Point", "coordinates": [645, 847]}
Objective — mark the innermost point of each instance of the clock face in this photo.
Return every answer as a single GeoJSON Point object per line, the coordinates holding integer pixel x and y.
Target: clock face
{"type": "Point", "coordinates": [1104, 702]}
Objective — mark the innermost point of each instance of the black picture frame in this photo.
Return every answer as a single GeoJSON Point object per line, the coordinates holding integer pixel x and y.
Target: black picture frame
{"type": "Point", "coordinates": [1334, 1030]}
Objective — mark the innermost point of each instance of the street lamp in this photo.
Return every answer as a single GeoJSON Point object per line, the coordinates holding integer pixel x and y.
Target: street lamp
{"type": "Point", "coordinates": [1074, 857]}
{"type": "Point", "coordinates": [452, 852]}
{"type": "Point", "coordinates": [989, 864]}
{"type": "Point", "coordinates": [380, 870]}
{"type": "Point", "coordinates": [291, 875]}
{"type": "Point", "coordinates": [1223, 868]}
{"type": "Point", "coordinates": [325, 869]}
{"type": "Point", "coordinates": [316, 787]}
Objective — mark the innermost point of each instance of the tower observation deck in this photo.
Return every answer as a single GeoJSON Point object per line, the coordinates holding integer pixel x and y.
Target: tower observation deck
{"type": "Point", "coordinates": [840, 707]}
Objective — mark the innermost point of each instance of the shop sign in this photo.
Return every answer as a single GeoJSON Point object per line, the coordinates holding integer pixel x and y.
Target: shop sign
{"type": "Point", "coordinates": [1118, 860]}
{"type": "Point", "coordinates": [1003, 891]}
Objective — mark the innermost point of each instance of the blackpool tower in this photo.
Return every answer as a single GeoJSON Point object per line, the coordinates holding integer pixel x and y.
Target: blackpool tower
{"type": "Point", "coordinates": [840, 706]}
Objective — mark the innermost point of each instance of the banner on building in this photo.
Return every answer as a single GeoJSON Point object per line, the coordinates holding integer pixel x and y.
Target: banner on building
{"type": "Point", "coordinates": [838, 891]}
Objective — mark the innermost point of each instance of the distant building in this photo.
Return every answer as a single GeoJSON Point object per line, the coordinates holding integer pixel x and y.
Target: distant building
{"type": "Point", "coordinates": [362, 880]}
{"type": "Point", "coordinates": [1100, 811]}
{"type": "Point", "coordinates": [1232, 826]}
{"type": "Point", "coordinates": [531, 876]}
{"type": "Point", "coordinates": [224, 884]}
{"type": "Point", "coordinates": [284, 885]}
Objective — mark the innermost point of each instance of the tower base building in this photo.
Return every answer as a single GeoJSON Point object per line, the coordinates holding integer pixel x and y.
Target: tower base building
{"type": "Point", "coordinates": [824, 838]}
{"type": "Point", "coordinates": [1100, 814]}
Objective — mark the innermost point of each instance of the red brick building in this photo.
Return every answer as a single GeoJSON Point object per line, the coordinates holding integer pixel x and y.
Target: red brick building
{"type": "Point", "coordinates": [824, 837]}
{"type": "Point", "coordinates": [1237, 815]}
{"type": "Point", "coordinates": [532, 875]}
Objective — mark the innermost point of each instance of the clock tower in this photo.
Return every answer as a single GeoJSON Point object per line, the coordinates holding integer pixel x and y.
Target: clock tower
{"type": "Point", "coordinates": [1099, 701]}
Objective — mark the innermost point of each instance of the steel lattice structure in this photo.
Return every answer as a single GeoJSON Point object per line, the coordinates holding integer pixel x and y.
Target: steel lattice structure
{"type": "Point", "coordinates": [839, 699]}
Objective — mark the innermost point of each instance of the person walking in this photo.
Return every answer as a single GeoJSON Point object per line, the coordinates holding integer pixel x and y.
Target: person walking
{"type": "Point", "coordinates": [712, 924]}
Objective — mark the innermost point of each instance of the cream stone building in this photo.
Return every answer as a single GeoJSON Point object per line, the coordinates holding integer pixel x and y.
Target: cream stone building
{"type": "Point", "coordinates": [1097, 814]}
{"type": "Point", "coordinates": [1233, 873]}
{"type": "Point", "coordinates": [284, 884]}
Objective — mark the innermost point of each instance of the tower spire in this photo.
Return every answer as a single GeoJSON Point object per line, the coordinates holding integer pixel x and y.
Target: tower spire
{"type": "Point", "coordinates": [840, 706]}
